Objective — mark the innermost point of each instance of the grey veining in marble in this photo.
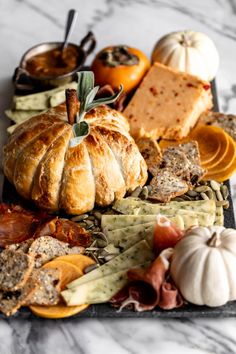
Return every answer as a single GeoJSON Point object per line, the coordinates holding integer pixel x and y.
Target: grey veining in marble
{"type": "Point", "coordinates": [140, 23]}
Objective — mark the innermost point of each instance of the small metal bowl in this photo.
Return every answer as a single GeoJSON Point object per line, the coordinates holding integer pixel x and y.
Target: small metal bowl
{"type": "Point", "coordinates": [23, 80]}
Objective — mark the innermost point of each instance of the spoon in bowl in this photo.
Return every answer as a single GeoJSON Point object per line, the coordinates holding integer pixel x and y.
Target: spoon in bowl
{"type": "Point", "coordinates": [70, 24]}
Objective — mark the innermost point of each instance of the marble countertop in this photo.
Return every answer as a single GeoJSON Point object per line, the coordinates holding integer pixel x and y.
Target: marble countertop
{"type": "Point", "coordinates": [139, 23]}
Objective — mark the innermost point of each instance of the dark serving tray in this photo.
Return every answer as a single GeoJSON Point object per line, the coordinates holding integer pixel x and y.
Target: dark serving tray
{"type": "Point", "coordinates": [9, 195]}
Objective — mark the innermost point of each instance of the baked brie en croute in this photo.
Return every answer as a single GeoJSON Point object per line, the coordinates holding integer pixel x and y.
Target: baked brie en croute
{"type": "Point", "coordinates": [42, 166]}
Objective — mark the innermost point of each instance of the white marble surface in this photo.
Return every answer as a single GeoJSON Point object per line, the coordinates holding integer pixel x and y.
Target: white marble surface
{"type": "Point", "coordinates": [139, 23]}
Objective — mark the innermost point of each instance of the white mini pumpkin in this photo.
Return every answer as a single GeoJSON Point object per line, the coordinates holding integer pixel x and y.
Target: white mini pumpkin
{"type": "Point", "coordinates": [188, 51]}
{"type": "Point", "coordinates": [204, 265]}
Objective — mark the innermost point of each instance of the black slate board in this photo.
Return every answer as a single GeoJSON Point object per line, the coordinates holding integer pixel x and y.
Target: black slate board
{"type": "Point", "coordinates": [9, 195]}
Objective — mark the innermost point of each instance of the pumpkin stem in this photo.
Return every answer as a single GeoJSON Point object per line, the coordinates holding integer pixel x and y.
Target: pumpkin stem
{"type": "Point", "coordinates": [72, 105]}
{"type": "Point", "coordinates": [214, 241]}
{"type": "Point", "coordinates": [185, 40]}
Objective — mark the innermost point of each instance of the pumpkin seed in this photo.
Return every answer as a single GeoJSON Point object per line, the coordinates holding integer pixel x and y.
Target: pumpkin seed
{"type": "Point", "coordinates": [109, 257]}
{"type": "Point", "coordinates": [210, 194]}
{"type": "Point", "coordinates": [136, 192]}
{"type": "Point", "coordinates": [219, 196]}
{"type": "Point", "coordinates": [98, 215]}
{"type": "Point", "coordinates": [89, 222]}
{"type": "Point", "coordinates": [224, 191]}
{"type": "Point", "coordinates": [223, 203]}
{"type": "Point", "coordinates": [204, 196]}
{"type": "Point", "coordinates": [91, 267]}
{"type": "Point", "coordinates": [90, 217]}
{"type": "Point", "coordinates": [79, 217]}
{"type": "Point", "coordinates": [82, 224]}
{"type": "Point", "coordinates": [215, 185]}
{"type": "Point", "coordinates": [178, 199]}
{"type": "Point", "coordinates": [202, 189]}
{"type": "Point", "coordinates": [101, 243]}
{"type": "Point", "coordinates": [226, 206]}
{"type": "Point", "coordinates": [186, 197]}
{"type": "Point", "coordinates": [192, 193]}
{"type": "Point", "coordinates": [144, 193]}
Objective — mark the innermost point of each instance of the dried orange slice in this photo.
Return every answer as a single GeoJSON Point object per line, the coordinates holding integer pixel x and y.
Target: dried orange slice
{"type": "Point", "coordinates": [224, 146]}
{"type": "Point", "coordinates": [79, 260]}
{"type": "Point", "coordinates": [212, 141]}
{"type": "Point", "coordinates": [69, 272]}
{"type": "Point", "coordinates": [226, 167]}
{"type": "Point", "coordinates": [57, 311]}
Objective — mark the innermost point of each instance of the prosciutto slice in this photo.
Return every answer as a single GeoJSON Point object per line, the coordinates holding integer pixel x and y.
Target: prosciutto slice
{"type": "Point", "coordinates": [166, 234]}
{"type": "Point", "coordinates": [149, 288]}
{"type": "Point", "coordinates": [18, 224]}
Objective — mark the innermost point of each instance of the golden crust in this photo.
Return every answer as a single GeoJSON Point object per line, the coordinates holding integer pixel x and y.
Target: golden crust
{"type": "Point", "coordinates": [78, 187]}
{"type": "Point", "coordinates": [29, 158]}
{"type": "Point", "coordinates": [109, 181]}
{"type": "Point", "coordinates": [47, 180]}
{"type": "Point", "coordinates": [42, 166]}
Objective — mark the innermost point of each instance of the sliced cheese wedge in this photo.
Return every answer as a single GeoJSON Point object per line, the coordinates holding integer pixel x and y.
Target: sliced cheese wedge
{"type": "Point", "coordinates": [183, 218]}
{"type": "Point", "coordinates": [137, 207]}
{"type": "Point", "coordinates": [126, 237]}
{"type": "Point", "coordinates": [136, 255]}
{"type": "Point", "coordinates": [97, 291]}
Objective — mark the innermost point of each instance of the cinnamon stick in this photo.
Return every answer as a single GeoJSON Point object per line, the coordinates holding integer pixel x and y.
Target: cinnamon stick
{"type": "Point", "coordinates": [72, 105]}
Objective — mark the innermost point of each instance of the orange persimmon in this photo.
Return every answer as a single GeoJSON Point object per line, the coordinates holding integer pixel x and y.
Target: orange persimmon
{"type": "Point", "coordinates": [72, 267]}
{"type": "Point", "coordinates": [226, 166]}
{"type": "Point", "coordinates": [116, 65]}
{"type": "Point", "coordinates": [79, 260]}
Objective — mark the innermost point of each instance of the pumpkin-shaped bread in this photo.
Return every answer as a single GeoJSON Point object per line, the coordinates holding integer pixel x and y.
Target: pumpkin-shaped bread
{"type": "Point", "coordinates": [39, 161]}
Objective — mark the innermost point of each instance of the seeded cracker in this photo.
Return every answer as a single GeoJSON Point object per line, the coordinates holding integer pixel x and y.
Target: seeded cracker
{"type": "Point", "coordinates": [23, 246]}
{"type": "Point", "coordinates": [224, 121]}
{"type": "Point", "coordinates": [11, 301]}
{"type": "Point", "coordinates": [15, 269]}
{"type": "Point", "coordinates": [48, 290]}
{"type": "Point", "coordinates": [150, 151]}
{"type": "Point", "coordinates": [46, 248]}
{"type": "Point", "coordinates": [167, 186]}
{"type": "Point", "coordinates": [175, 161]}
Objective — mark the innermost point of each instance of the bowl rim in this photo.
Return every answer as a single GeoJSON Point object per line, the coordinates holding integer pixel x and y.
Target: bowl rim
{"type": "Point", "coordinates": [72, 72]}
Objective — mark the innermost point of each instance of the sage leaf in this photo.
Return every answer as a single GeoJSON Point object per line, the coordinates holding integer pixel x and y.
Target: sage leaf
{"type": "Point", "coordinates": [85, 84]}
{"type": "Point", "coordinates": [106, 100]}
{"type": "Point", "coordinates": [86, 95]}
{"type": "Point", "coordinates": [81, 128]}
{"type": "Point", "coordinates": [76, 141]}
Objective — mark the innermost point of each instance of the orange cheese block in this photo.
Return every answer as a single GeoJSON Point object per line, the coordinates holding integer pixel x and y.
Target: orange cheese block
{"type": "Point", "coordinates": [167, 103]}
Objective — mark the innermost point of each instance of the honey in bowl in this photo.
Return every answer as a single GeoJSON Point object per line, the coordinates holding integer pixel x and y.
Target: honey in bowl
{"type": "Point", "coordinates": [53, 63]}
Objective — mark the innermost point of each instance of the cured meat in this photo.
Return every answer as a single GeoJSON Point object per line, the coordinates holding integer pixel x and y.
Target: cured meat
{"type": "Point", "coordinates": [17, 224]}
{"type": "Point", "coordinates": [66, 231]}
{"type": "Point", "coordinates": [149, 288]}
{"type": "Point", "coordinates": [166, 234]}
